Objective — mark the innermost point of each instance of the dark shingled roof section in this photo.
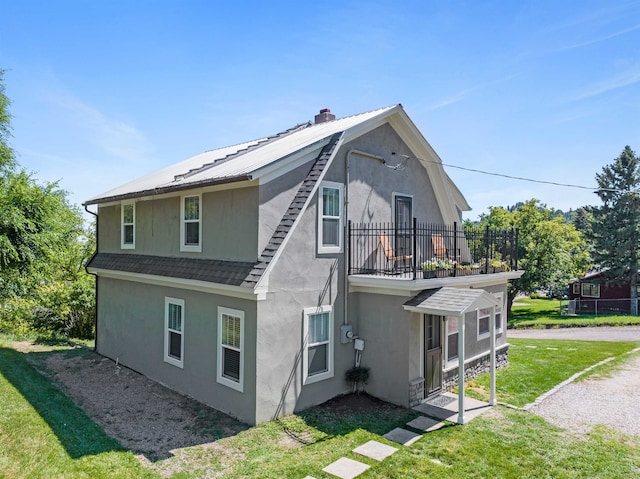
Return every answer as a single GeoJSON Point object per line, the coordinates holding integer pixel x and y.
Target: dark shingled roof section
{"type": "Point", "coordinates": [292, 213]}
{"type": "Point", "coordinates": [421, 296]}
{"type": "Point", "coordinates": [214, 271]}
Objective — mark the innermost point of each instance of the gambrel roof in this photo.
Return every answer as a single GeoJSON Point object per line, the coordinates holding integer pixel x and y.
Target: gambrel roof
{"type": "Point", "coordinates": [260, 161]}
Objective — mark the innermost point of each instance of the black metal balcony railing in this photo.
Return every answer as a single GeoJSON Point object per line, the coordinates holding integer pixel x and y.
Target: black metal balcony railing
{"type": "Point", "coordinates": [423, 250]}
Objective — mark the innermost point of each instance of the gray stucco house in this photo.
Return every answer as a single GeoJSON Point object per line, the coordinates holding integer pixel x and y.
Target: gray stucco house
{"type": "Point", "coordinates": [245, 276]}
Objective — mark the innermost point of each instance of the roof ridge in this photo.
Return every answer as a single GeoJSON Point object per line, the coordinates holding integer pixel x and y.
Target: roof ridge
{"type": "Point", "coordinates": [235, 154]}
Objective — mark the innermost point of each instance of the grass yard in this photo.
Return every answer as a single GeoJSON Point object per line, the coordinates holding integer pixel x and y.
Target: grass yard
{"type": "Point", "coordinates": [43, 434]}
{"type": "Point", "coordinates": [545, 313]}
{"type": "Point", "coordinates": [536, 366]}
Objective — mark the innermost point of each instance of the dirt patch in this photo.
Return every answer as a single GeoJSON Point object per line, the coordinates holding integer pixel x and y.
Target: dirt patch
{"type": "Point", "coordinates": [153, 421]}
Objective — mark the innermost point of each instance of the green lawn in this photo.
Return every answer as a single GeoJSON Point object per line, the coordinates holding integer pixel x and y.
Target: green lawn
{"type": "Point", "coordinates": [536, 366]}
{"type": "Point", "coordinates": [545, 313]}
{"type": "Point", "coordinates": [42, 434]}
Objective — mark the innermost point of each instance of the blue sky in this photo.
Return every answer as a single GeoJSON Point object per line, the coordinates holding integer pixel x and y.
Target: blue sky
{"type": "Point", "coordinates": [104, 92]}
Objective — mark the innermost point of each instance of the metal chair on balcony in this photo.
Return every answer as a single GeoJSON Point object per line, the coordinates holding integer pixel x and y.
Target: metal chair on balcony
{"type": "Point", "coordinates": [389, 254]}
{"type": "Point", "coordinates": [440, 250]}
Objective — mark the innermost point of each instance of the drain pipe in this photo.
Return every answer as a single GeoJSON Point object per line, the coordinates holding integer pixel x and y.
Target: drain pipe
{"type": "Point", "coordinates": [363, 154]}
{"type": "Point", "coordinates": [95, 319]}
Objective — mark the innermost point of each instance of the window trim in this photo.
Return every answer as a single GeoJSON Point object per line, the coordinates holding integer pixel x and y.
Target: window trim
{"type": "Point", "coordinates": [500, 296]}
{"type": "Point", "coordinates": [591, 285]}
{"type": "Point", "coordinates": [448, 362]}
{"type": "Point", "coordinates": [307, 313]}
{"type": "Point", "coordinates": [576, 288]}
{"type": "Point", "coordinates": [220, 378]}
{"type": "Point", "coordinates": [185, 247]}
{"type": "Point", "coordinates": [124, 245]}
{"type": "Point", "coordinates": [330, 249]}
{"type": "Point", "coordinates": [169, 359]}
{"type": "Point", "coordinates": [487, 333]}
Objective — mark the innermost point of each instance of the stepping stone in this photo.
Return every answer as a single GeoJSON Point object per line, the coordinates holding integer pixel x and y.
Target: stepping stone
{"type": "Point", "coordinates": [346, 468]}
{"type": "Point", "coordinates": [532, 347]}
{"type": "Point", "coordinates": [375, 450]}
{"type": "Point", "coordinates": [553, 349]}
{"type": "Point", "coordinates": [309, 477]}
{"type": "Point", "coordinates": [425, 424]}
{"type": "Point", "coordinates": [402, 436]}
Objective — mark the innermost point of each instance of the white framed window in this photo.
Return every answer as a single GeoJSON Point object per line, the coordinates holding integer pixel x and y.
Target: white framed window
{"type": "Point", "coordinates": [317, 359]}
{"type": "Point", "coordinates": [330, 206]}
{"type": "Point", "coordinates": [484, 315]}
{"type": "Point", "coordinates": [499, 310]}
{"type": "Point", "coordinates": [576, 288]}
{"type": "Point", "coordinates": [174, 331]}
{"type": "Point", "coordinates": [128, 226]}
{"type": "Point", "coordinates": [190, 223]}
{"type": "Point", "coordinates": [451, 323]}
{"type": "Point", "coordinates": [591, 290]}
{"type": "Point", "coordinates": [230, 369]}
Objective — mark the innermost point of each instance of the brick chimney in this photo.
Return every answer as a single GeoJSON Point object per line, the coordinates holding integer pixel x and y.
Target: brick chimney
{"type": "Point", "coordinates": [324, 115]}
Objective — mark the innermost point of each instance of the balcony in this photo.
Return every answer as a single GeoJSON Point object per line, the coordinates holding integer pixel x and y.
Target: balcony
{"type": "Point", "coordinates": [423, 250]}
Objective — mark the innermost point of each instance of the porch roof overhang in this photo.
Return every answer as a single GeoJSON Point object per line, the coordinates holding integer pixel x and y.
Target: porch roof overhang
{"type": "Point", "coordinates": [457, 302]}
{"type": "Point", "coordinates": [450, 301]}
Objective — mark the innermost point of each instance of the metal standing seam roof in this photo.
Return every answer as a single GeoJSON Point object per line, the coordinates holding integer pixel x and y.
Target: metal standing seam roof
{"type": "Point", "coordinates": [450, 301]}
{"type": "Point", "coordinates": [238, 161]}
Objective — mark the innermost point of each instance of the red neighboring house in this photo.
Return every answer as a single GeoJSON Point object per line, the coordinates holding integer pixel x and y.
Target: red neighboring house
{"type": "Point", "coordinates": [595, 293]}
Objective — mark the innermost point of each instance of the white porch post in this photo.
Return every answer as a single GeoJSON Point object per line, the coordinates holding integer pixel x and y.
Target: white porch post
{"type": "Point", "coordinates": [492, 364]}
{"type": "Point", "coordinates": [461, 417]}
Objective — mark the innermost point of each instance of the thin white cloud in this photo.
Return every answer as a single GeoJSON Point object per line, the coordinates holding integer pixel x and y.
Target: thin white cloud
{"type": "Point", "coordinates": [627, 78]}
{"type": "Point", "coordinates": [115, 137]}
{"type": "Point", "coordinates": [462, 94]}
{"type": "Point", "coordinates": [600, 39]}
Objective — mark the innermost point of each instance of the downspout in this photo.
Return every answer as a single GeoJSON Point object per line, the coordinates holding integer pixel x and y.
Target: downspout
{"type": "Point", "coordinates": [346, 220]}
{"type": "Point", "coordinates": [95, 319]}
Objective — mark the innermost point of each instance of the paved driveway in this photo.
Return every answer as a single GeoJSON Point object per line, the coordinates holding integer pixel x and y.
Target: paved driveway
{"type": "Point", "coordinates": [626, 333]}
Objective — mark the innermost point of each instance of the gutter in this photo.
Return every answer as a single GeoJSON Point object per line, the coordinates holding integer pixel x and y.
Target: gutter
{"type": "Point", "coordinates": [86, 268]}
{"type": "Point", "coordinates": [167, 189]}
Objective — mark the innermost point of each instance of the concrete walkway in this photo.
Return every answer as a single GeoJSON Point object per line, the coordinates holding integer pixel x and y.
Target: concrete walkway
{"type": "Point", "coordinates": [622, 333]}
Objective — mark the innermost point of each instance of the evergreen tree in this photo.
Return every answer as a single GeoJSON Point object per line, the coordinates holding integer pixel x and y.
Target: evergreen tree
{"type": "Point", "coordinates": [615, 227]}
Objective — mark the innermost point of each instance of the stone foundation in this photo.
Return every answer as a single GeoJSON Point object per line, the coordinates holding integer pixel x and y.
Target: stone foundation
{"type": "Point", "coordinates": [475, 368]}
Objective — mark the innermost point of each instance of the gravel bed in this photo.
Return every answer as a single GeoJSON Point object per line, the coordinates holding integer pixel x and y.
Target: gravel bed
{"type": "Point", "coordinates": [611, 401]}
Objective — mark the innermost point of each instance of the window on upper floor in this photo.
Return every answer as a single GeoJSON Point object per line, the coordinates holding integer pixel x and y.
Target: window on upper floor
{"type": "Point", "coordinates": [230, 369]}
{"type": "Point", "coordinates": [330, 206]}
{"type": "Point", "coordinates": [317, 361]}
{"type": "Point", "coordinates": [191, 224]}
{"type": "Point", "coordinates": [576, 288]}
{"type": "Point", "coordinates": [174, 331]}
{"type": "Point", "coordinates": [128, 226]}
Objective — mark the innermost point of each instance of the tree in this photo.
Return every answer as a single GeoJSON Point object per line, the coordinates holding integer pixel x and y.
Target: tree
{"type": "Point", "coordinates": [43, 247]}
{"type": "Point", "coordinates": [614, 228]}
{"type": "Point", "coordinates": [550, 250]}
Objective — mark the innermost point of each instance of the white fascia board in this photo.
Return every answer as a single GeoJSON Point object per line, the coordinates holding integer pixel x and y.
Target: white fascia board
{"type": "Point", "coordinates": [361, 283]}
{"type": "Point", "coordinates": [180, 283]}
{"type": "Point", "coordinates": [197, 190]}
